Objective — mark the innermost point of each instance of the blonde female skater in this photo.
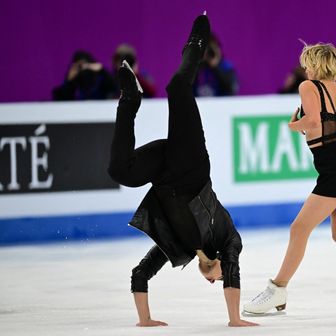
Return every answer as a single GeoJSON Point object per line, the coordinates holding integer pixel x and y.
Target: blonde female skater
{"type": "Point", "coordinates": [318, 123]}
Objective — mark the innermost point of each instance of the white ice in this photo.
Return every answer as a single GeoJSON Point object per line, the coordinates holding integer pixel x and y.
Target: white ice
{"type": "Point", "coordinates": [83, 289]}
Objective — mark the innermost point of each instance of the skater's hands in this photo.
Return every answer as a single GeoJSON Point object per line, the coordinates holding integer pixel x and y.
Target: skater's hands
{"type": "Point", "coordinates": [294, 118]}
{"type": "Point", "coordinates": [242, 323]}
{"type": "Point", "coordinates": [151, 323]}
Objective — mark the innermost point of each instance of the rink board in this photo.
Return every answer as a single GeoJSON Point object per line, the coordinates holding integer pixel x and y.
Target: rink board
{"type": "Point", "coordinates": [54, 156]}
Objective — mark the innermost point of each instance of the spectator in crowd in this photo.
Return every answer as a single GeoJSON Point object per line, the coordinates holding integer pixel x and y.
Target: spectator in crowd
{"type": "Point", "coordinates": [217, 76]}
{"type": "Point", "coordinates": [128, 53]}
{"type": "Point", "coordinates": [293, 80]}
{"type": "Point", "coordinates": [85, 79]}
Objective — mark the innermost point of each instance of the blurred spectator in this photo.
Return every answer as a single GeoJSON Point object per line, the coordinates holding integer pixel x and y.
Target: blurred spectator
{"type": "Point", "coordinates": [85, 79]}
{"type": "Point", "coordinates": [293, 80]}
{"type": "Point", "coordinates": [216, 76]}
{"type": "Point", "coordinates": [128, 53]}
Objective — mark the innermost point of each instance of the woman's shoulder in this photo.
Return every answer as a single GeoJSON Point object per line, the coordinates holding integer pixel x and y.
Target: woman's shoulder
{"type": "Point", "coordinates": [307, 86]}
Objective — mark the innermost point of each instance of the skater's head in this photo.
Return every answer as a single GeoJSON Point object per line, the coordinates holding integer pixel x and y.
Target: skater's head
{"type": "Point", "coordinates": [210, 269]}
{"type": "Point", "coordinates": [319, 61]}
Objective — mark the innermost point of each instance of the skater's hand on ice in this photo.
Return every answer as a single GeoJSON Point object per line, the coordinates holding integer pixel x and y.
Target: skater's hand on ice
{"type": "Point", "coordinates": [151, 323]}
{"type": "Point", "coordinates": [242, 323]}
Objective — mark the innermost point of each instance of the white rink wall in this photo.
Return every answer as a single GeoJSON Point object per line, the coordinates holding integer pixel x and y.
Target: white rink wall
{"type": "Point", "coordinates": [257, 164]}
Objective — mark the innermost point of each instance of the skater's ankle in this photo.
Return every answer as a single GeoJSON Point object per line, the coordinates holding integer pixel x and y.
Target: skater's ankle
{"type": "Point", "coordinates": [195, 47]}
{"type": "Point", "coordinates": [279, 283]}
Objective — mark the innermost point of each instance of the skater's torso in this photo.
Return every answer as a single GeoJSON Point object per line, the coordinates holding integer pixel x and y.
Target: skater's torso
{"type": "Point", "coordinates": [322, 141]}
{"type": "Point", "coordinates": [326, 133]}
{"type": "Point", "coordinates": [175, 193]}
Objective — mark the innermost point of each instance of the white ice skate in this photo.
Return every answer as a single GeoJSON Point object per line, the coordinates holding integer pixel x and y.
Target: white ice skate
{"type": "Point", "coordinates": [272, 297]}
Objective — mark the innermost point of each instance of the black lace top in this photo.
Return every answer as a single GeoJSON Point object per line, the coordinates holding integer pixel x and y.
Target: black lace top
{"type": "Point", "coordinates": [328, 119]}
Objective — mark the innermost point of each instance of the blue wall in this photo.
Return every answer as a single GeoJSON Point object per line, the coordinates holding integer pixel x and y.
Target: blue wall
{"type": "Point", "coordinates": [114, 225]}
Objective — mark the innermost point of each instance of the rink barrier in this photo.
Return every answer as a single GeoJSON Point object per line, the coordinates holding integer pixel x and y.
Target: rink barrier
{"type": "Point", "coordinates": [54, 184]}
{"type": "Point", "coordinates": [114, 225]}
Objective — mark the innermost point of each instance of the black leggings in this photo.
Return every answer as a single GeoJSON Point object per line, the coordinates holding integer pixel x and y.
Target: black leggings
{"type": "Point", "coordinates": [181, 159]}
{"type": "Point", "coordinates": [179, 162]}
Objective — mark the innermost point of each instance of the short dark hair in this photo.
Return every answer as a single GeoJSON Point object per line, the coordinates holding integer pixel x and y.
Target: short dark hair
{"type": "Point", "coordinates": [80, 55]}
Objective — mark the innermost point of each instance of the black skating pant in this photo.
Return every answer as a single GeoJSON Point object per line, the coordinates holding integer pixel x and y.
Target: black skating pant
{"type": "Point", "coordinates": [181, 161]}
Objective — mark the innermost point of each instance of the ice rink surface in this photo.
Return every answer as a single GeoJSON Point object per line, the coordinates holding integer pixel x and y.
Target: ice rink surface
{"type": "Point", "coordinates": [83, 289]}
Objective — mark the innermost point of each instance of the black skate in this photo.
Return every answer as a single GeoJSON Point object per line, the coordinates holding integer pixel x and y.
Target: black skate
{"type": "Point", "coordinates": [129, 84]}
{"type": "Point", "coordinates": [200, 33]}
{"type": "Point", "coordinates": [194, 50]}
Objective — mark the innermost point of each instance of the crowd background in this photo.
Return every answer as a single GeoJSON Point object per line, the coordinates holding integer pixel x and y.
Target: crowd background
{"type": "Point", "coordinates": [260, 37]}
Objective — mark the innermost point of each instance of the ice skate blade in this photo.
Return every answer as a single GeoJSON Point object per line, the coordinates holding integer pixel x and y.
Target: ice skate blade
{"type": "Point", "coordinates": [276, 313]}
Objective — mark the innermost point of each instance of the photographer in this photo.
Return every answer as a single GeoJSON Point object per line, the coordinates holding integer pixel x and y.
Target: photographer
{"type": "Point", "coordinates": [216, 76]}
{"type": "Point", "coordinates": [85, 79]}
{"type": "Point", "coordinates": [127, 52]}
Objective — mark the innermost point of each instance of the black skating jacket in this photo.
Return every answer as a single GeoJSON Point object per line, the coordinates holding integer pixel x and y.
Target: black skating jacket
{"type": "Point", "coordinates": [219, 237]}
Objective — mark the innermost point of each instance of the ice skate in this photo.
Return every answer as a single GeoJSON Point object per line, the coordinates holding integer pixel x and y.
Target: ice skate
{"type": "Point", "coordinates": [195, 47]}
{"type": "Point", "coordinates": [272, 297]}
{"type": "Point", "coordinates": [200, 33]}
{"type": "Point", "coordinates": [129, 84]}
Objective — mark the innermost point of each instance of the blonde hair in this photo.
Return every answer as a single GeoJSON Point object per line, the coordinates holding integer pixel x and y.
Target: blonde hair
{"type": "Point", "coordinates": [203, 258]}
{"type": "Point", "coordinates": [320, 58]}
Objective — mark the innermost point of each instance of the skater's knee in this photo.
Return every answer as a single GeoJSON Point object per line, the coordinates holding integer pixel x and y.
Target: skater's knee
{"type": "Point", "coordinates": [295, 229]}
{"type": "Point", "coordinates": [124, 177]}
{"type": "Point", "coordinates": [299, 229]}
{"type": "Point", "coordinates": [118, 174]}
{"type": "Point", "coordinates": [114, 171]}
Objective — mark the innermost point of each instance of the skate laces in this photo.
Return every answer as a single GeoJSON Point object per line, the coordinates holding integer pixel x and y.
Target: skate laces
{"type": "Point", "coordinates": [264, 296]}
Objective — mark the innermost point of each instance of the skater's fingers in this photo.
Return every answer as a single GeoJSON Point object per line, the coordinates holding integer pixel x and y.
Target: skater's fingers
{"type": "Point", "coordinates": [163, 323]}
{"type": "Point", "coordinates": [250, 324]}
{"type": "Point", "coordinates": [242, 323]}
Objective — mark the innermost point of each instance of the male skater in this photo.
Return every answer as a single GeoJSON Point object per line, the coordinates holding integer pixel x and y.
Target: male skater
{"type": "Point", "coordinates": [180, 212]}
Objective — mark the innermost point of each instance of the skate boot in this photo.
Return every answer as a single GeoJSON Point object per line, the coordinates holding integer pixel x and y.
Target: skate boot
{"type": "Point", "coordinates": [195, 47]}
{"type": "Point", "coordinates": [200, 33]}
{"type": "Point", "coordinates": [129, 84]}
{"type": "Point", "coordinates": [272, 297]}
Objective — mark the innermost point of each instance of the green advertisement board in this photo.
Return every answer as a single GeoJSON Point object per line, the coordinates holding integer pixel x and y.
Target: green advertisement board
{"type": "Point", "coordinates": [265, 149]}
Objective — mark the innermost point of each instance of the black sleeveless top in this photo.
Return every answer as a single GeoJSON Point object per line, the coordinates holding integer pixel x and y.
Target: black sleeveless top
{"type": "Point", "coordinates": [328, 119]}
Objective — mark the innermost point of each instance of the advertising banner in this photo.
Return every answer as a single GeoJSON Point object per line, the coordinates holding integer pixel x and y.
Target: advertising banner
{"type": "Point", "coordinates": [54, 158]}
{"type": "Point", "coordinates": [265, 149]}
